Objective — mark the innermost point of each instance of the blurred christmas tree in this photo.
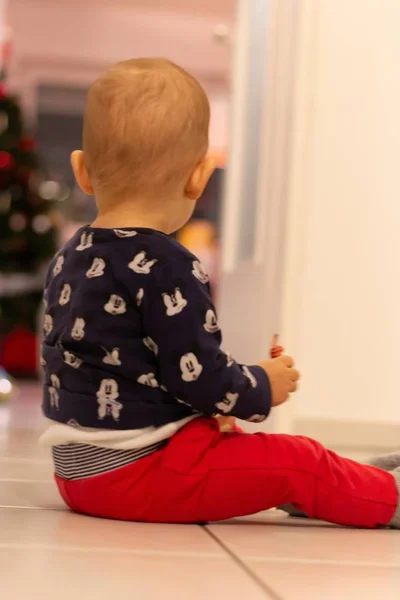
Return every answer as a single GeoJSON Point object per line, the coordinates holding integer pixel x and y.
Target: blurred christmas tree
{"type": "Point", "coordinates": [28, 229]}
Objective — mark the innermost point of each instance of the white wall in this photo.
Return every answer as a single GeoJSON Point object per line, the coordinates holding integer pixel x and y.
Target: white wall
{"type": "Point", "coordinates": [348, 313]}
{"type": "Point", "coordinates": [70, 42]}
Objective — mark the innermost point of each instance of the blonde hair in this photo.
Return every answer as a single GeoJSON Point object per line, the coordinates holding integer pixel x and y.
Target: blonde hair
{"type": "Point", "coordinates": [145, 127]}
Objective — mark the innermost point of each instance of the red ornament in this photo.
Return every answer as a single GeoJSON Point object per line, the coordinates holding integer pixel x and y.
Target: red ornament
{"type": "Point", "coordinates": [18, 354]}
{"type": "Point", "coordinates": [27, 144]}
{"type": "Point", "coordinates": [6, 160]}
{"type": "Point", "coordinates": [3, 92]}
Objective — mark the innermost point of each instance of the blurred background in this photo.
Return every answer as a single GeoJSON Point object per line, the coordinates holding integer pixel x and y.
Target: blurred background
{"type": "Point", "coordinates": [51, 53]}
{"type": "Point", "coordinates": [299, 226]}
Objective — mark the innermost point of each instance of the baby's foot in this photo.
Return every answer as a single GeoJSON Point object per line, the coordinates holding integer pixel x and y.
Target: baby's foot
{"type": "Point", "coordinates": [387, 462]}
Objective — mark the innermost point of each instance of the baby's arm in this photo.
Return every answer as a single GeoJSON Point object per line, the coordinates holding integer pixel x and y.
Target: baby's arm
{"type": "Point", "coordinates": [229, 423]}
{"type": "Point", "coordinates": [179, 317]}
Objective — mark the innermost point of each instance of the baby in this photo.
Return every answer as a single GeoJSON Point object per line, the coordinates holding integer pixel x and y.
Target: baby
{"type": "Point", "coordinates": [134, 368]}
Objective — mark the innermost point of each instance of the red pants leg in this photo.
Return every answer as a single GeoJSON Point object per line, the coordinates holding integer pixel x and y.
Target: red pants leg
{"type": "Point", "coordinates": [203, 475]}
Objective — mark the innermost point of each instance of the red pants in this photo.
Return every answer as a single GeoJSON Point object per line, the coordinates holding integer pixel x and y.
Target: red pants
{"type": "Point", "coordinates": [203, 475]}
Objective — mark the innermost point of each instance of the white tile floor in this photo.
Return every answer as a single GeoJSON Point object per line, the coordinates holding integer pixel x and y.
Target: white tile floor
{"type": "Point", "coordinates": [49, 553]}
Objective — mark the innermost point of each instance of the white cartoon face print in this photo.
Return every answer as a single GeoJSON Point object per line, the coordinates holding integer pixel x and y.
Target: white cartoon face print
{"type": "Point", "coordinates": [125, 233]}
{"type": "Point", "coordinates": [86, 241]}
{"type": "Point", "coordinates": [139, 297]}
{"type": "Point", "coordinates": [116, 305]}
{"type": "Point", "coordinates": [211, 323]}
{"type": "Point", "coordinates": [107, 396]}
{"type": "Point", "coordinates": [228, 403]}
{"type": "Point", "coordinates": [58, 266]}
{"type": "Point", "coordinates": [112, 358]}
{"type": "Point", "coordinates": [151, 345]}
{"type": "Point", "coordinates": [45, 304]}
{"type": "Point", "coordinates": [200, 272]}
{"type": "Point", "coordinates": [250, 376]}
{"type": "Point", "coordinates": [65, 295]}
{"type": "Point", "coordinates": [55, 381]}
{"type": "Point", "coordinates": [257, 418]}
{"type": "Point", "coordinates": [97, 268]}
{"type": "Point", "coordinates": [78, 330]}
{"type": "Point", "coordinates": [148, 379]}
{"type": "Point", "coordinates": [141, 264]}
{"type": "Point", "coordinates": [229, 359]}
{"type": "Point", "coordinates": [53, 391]}
{"type": "Point", "coordinates": [54, 398]}
{"type": "Point", "coordinates": [47, 324]}
{"type": "Point", "coordinates": [174, 303]}
{"type": "Point", "coordinates": [190, 367]}
{"type": "Point", "coordinates": [71, 360]}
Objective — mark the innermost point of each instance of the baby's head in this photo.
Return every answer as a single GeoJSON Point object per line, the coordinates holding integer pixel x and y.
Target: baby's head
{"type": "Point", "coordinates": [145, 140]}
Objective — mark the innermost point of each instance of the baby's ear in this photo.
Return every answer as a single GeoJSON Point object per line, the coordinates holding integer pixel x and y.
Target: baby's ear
{"type": "Point", "coordinates": [80, 171]}
{"type": "Point", "coordinates": [199, 178]}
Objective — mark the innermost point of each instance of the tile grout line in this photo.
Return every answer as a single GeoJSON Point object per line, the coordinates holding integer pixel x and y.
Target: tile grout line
{"type": "Point", "coordinates": [243, 566]}
{"type": "Point", "coordinates": [122, 551]}
{"type": "Point", "coordinates": [17, 507]}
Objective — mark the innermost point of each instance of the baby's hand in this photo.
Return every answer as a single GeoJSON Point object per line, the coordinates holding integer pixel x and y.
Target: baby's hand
{"type": "Point", "coordinates": [282, 376]}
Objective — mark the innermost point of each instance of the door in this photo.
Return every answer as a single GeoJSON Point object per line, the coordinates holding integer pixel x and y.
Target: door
{"type": "Point", "coordinates": [257, 191]}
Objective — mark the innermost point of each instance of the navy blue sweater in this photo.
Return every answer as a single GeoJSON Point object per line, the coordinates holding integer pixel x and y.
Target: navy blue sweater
{"type": "Point", "coordinates": [132, 338]}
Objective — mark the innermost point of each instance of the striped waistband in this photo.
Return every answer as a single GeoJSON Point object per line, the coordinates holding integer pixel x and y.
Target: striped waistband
{"type": "Point", "coordinates": [80, 461]}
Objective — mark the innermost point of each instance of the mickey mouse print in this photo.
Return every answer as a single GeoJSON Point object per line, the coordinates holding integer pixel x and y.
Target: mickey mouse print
{"type": "Point", "coordinates": [130, 323]}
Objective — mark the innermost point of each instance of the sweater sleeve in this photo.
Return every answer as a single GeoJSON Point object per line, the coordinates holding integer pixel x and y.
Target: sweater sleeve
{"type": "Point", "coordinates": [181, 328]}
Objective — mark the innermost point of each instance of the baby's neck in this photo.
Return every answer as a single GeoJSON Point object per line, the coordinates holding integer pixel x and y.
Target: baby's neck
{"type": "Point", "coordinates": [132, 214]}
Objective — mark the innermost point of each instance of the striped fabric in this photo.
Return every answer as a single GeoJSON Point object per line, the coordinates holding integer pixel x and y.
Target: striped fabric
{"type": "Point", "coordinates": [79, 461]}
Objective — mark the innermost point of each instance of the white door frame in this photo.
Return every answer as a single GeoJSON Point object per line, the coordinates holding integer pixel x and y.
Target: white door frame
{"type": "Point", "coordinates": [274, 274]}
{"type": "Point", "coordinates": [298, 194]}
